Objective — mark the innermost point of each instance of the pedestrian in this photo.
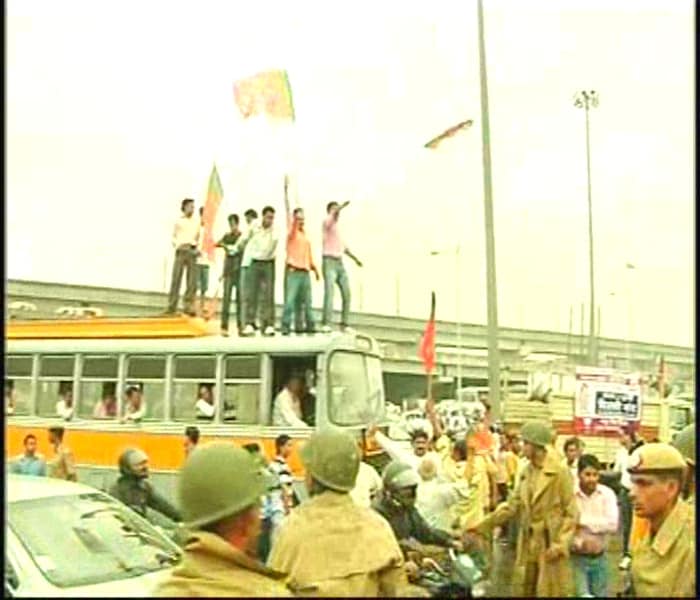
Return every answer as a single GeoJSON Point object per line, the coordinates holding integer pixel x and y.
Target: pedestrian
{"type": "Point", "coordinates": [435, 499]}
{"type": "Point", "coordinates": [185, 237]}
{"type": "Point", "coordinates": [420, 448]}
{"type": "Point", "coordinates": [333, 269]}
{"type": "Point", "coordinates": [259, 286]}
{"type": "Point", "coordinates": [684, 442]}
{"type": "Point", "coordinates": [286, 411]}
{"type": "Point", "coordinates": [572, 450]}
{"type": "Point", "coordinates": [62, 465]}
{"type": "Point", "coordinates": [545, 503]}
{"type": "Point", "coordinates": [191, 439]}
{"type": "Point", "coordinates": [329, 544]}
{"type": "Point", "coordinates": [368, 484]}
{"type": "Point", "coordinates": [31, 462]}
{"type": "Point", "coordinates": [620, 466]}
{"type": "Point", "coordinates": [231, 275]}
{"type": "Point", "coordinates": [598, 517]}
{"type": "Point", "coordinates": [219, 491]}
{"type": "Point", "coordinates": [202, 265]}
{"type": "Point", "coordinates": [299, 265]}
{"type": "Point", "coordinates": [134, 488]}
{"type": "Point", "coordinates": [663, 561]}
{"type": "Point", "coordinates": [282, 497]}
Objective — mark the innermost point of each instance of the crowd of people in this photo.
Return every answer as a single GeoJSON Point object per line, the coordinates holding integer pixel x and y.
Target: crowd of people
{"type": "Point", "coordinates": [351, 531]}
{"type": "Point", "coordinates": [248, 275]}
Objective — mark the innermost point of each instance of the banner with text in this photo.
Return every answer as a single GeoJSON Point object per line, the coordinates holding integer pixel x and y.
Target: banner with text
{"type": "Point", "coordinates": [606, 400]}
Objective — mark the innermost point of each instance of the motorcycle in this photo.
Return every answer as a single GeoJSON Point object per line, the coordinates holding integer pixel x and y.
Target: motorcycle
{"type": "Point", "coordinates": [458, 575]}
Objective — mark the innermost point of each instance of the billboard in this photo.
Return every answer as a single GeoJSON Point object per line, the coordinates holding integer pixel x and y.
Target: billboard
{"type": "Point", "coordinates": [606, 400]}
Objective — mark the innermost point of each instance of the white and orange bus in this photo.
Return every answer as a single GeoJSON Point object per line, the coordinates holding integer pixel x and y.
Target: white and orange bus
{"type": "Point", "coordinates": [170, 360]}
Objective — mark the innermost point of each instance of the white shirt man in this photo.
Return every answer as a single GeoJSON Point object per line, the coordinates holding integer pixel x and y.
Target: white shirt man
{"type": "Point", "coordinates": [367, 485]}
{"type": "Point", "coordinates": [397, 451]}
{"type": "Point", "coordinates": [64, 410]}
{"type": "Point", "coordinates": [205, 409]}
{"type": "Point", "coordinates": [186, 231]}
{"type": "Point", "coordinates": [435, 499]}
{"type": "Point", "coordinates": [287, 410]}
{"type": "Point", "coordinates": [260, 244]}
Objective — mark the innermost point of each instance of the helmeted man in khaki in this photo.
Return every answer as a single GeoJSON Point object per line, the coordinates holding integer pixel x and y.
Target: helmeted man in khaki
{"type": "Point", "coordinates": [545, 506]}
{"type": "Point", "coordinates": [684, 442]}
{"type": "Point", "coordinates": [663, 561]}
{"type": "Point", "coordinates": [219, 491]}
{"type": "Point", "coordinates": [329, 543]}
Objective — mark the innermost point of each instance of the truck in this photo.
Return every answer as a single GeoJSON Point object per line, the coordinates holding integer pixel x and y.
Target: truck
{"type": "Point", "coordinates": [593, 404]}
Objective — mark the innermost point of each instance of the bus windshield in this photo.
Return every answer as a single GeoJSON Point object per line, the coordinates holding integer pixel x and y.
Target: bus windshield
{"type": "Point", "coordinates": [356, 390]}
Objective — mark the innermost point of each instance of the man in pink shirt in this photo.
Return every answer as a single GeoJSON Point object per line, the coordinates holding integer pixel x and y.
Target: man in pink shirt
{"type": "Point", "coordinates": [598, 516]}
{"type": "Point", "coordinates": [299, 264]}
{"type": "Point", "coordinates": [333, 269]}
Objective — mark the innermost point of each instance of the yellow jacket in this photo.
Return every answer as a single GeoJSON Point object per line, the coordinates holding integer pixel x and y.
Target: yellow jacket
{"type": "Point", "coordinates": [332, 547]}
{"type": "Point", "coordinates": [212, 567]}
{"type": "Point", "coordinates": [664, 566]}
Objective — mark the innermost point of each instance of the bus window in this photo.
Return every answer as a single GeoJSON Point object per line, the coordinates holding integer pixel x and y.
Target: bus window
{"type": "Point", "coordinates": [98, 387]}
{"type": "Point", "coordinates": [241, 391]}
{"type": "Point", "coordinates": [283, 368]}
{"type": "Point", "coordinates": [147, 373]}
{"type": "Point", "coordinates": [18, 384]}
{"type": "Point", "coordinates": [55, 386]}
{"type": "Point", "coordinates": [193, 380]}
{"type": "Point", "coordinates": [356, 390]}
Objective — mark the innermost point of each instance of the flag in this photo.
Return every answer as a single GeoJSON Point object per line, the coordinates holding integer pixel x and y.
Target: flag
{"type": "Point", "coordinates": [265, 93]}
{"type": "Point", "coordinates": [427, 344]}
{"type": "Point", "coordinates": [215, 194]}
{"type": "Point", "coordinates": [448, 133]}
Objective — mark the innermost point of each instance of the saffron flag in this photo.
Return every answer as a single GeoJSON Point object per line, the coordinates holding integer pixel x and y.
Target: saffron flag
{"type": "Point", "coordinates": [448, 133]}
{"type": "Point", "coordinates": [427, 344]}
{"type": "Point", "coordinates": [215, 194]}
{"type": "Point", "coordinates": [266, 93]}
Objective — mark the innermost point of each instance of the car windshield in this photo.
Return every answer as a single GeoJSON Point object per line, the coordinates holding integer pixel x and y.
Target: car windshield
{"type": "Point", "coordinates": [88, 539]}
{"type": "Point", "coordinates": [356, 389]}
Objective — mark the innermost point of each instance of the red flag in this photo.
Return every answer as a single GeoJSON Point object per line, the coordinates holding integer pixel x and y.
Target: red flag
{"type": "Point", "coordinates": [427, 345]}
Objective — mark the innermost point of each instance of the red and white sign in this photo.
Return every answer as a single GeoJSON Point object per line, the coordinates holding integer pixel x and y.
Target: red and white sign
{"type": "Point", "coordinates": [606, 400]}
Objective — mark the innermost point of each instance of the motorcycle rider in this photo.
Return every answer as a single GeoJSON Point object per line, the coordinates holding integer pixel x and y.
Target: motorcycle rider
{"type": "Point", "coordinates": [134, 488]}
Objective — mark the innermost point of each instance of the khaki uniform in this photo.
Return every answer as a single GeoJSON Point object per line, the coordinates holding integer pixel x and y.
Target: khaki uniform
{"type": "Point", "coordinates": [331, 547]}
{"type": "Point", "coordinates": [545, 507]}
{"type": "Point", "coordinates": [664, 566]}
{"type": "Point", "coordinates": [212, 567]}
{"type": "Point", "coordinates": [62, 466]}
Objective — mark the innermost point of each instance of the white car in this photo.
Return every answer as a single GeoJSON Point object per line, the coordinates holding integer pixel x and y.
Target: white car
{"type": "Point", "coordinates": [65, 539]}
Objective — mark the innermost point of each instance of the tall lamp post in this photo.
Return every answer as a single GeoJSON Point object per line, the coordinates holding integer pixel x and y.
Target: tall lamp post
{"type": "Point", "coordinates": [587, 101]}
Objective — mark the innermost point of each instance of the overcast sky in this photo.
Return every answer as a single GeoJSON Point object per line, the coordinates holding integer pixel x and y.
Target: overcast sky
{"type": "Point", "coordinates": [117, 110]}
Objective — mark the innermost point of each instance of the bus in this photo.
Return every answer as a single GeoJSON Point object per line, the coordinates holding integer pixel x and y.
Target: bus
{"type": "Point", "coordinates": [170, 364]}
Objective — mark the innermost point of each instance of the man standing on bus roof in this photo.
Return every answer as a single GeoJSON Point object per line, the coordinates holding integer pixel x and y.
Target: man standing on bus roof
{"type": "Point", "coordinates": [333, 269]}
{"type": "Point", "coordinates": [329, 543]}
{"type": "Point", "coordinates": [185, 237]}
{"type": "Point", "coordinates": [259, 285]}
{"type": "Point", "coordinates": [62, 465]}
{"type": "Point", "coordinates": [202, 264]}
{"type": "Point", "coordinates": [219, 490]}
{"type": "Point", "coordinates": [231, 275]}
{"type": "Point", "coordinates": [287, 409]}
{"type": "Point", "coordinates": [299, 264]}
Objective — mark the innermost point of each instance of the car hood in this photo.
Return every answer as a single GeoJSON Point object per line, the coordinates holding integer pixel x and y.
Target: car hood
{"type": "Point", "coordinates": [132, 587]}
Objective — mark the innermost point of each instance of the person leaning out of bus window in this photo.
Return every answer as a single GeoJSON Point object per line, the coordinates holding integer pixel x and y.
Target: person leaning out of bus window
{"type": "Point", "coordinates": [10, 397]}
{"type": "Point", "coordinates": [287, 409]}
{"type": "Point", "coordinates": [205, 402]}
{"type": "Point", "coordinates": [135, 404]}
{"type": "Point", "coordinates": [107, 406]}
{"type": "Point", "coordinates": [62, 465]}
{"type": "Point", "coordinates": [64, 406]}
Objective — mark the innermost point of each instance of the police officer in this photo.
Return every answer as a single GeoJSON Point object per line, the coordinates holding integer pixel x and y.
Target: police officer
{"type": "Point", "coordinates": [663, 561]}
{"type": "Point", "coordinates": [134, 489]}
{"type": "Point", "coordinates": [545, 503]}
{"type": "Point", "coordinates": [328, 544]}
{"type": "Point", "coordinates": [684, 442]}
{"type": "Point", "coordinates": [219, 490]}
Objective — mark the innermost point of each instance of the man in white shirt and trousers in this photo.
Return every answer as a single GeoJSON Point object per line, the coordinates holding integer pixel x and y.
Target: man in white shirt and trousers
{"type": "Point", "coordinates": [185, 238]}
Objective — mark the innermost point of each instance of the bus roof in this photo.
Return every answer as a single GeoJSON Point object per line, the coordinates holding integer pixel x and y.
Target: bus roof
{"type": "Point", "coordinates": [293, 344]}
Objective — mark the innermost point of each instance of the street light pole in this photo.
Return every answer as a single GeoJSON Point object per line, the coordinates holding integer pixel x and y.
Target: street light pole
{"type": "Point", "coordinates": [588, 100]}
{"type": "Point", "coordinates": [459, 321]}
{"type": "Point", "coordinates": [491, 299]}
